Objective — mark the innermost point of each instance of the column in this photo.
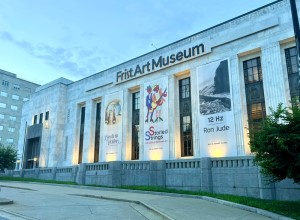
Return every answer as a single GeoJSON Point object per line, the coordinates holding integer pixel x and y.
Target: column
{"type": "Point", "coordinates": [273, 76]}
{"type": "Point", "coordinates": [238, 111]}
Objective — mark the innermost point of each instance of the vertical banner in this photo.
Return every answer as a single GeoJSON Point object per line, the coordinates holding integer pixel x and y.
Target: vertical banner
{"type": "Point", "coordinates": [217, 131]}
{"type": "Point", "coordinates": [156, 130]}
{"type": "Point", "coordinates": [112, 141]}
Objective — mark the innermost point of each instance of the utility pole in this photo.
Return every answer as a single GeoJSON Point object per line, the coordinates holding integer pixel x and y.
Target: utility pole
{"type": "Point", "coordinates": [297, 35]}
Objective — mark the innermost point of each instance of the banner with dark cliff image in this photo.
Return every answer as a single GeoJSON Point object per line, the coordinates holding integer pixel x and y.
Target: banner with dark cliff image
{"type": "Point", "coordinates": [112, 139]}
{"type": "Point", "coordinates": [156, 136]}
{"type": "Point", "coordinates": [217, 131]}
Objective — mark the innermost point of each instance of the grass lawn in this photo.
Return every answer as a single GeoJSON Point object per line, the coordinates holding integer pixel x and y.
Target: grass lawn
{"type": "Point", "coordinates": [287, 208]}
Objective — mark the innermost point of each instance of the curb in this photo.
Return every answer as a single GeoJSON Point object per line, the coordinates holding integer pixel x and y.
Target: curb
{"type": "Point", "coordinates": [4, 201]}
{"type": "Point", "coordinates": [163, 215]}
{"type": "Point", "coordinates": [16, 215]}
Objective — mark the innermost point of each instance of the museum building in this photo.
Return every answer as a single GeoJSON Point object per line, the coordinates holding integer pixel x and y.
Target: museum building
{"type": "Point", "coordinates": [194, 98]}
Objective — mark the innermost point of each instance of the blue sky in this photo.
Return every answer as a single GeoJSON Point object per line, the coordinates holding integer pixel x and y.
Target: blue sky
{"type": "Point", "coordinates": [42, 40]}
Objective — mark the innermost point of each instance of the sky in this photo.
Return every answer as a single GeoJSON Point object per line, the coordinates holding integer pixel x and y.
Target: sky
{"type": "Point", "coordinates": [42, 40]}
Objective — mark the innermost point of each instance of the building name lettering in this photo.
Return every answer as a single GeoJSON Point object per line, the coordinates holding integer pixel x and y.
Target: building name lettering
{"type": "Point", "coordinates": [216, 129]}
{"type": "Point", "coordinates": [159, 63]}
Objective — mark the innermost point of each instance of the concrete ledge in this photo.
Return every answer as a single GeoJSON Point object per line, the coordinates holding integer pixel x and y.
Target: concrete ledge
{"type": "Point", "coordinates": [163, 215]}
{"type": "Point", "coordinates": [4, 201]}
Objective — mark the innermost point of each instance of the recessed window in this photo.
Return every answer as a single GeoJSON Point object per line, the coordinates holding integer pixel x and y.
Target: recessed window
{"type": "Point", "coordinates": [15, 97]}
{"type": "Point", "coordinates": [185, 110]}
{"type": "Point", "coordinates": [41, 118]}
{"type": "Point", "coordinates": [254, 92]}
{"type": "Point", "coordinates": [1, 116]}
{"type": "Point", "coordinates": [4, 94]}
{"type": "Point", "coordinates": [5, 83]}
{"type": "Point", "coordinates": [12, 118]}
{"type": "Point", "coordinates": [10, 140]}
{"type": "Point", "coordinates": [292, 69]}
{"type": "Point", "coordinates": [13, 107]}
{"type": "Point", "coordinates": [11, 129]}
{"type": "Point", "coordinates": [2, 105]}
{"type": "Point", "coordinates": [47, 116]}
{"type": "Point", "coordinates": [16, 87]}
{"type": "Point", "coordinates": [135, 126]}
{"type": "Point", "coordinates": [252, 70]}
{"type": "Point", "coordinates": [35, 119]}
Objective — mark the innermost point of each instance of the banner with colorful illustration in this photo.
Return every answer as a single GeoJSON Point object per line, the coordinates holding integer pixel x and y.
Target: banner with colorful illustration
{"type": "Point", "coordinates": [156, 130]}
{"type": "Point", "coordinates": [112, 139]}
{"type": "Point", "coordinates": [217, 131]}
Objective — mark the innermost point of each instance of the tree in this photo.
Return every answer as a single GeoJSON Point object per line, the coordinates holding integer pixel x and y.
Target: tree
{"type": "Point", "coordinates": [8, 157]}
{"type": "Point", "coordinates": [276, 144]}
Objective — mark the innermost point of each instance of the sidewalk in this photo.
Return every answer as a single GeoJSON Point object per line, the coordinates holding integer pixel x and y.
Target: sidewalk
{"type": "Point", "coordinates": [46, 201]}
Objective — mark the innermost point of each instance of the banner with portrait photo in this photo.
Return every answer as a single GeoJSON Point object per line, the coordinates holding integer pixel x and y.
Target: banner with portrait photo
{"type": "Point", "coordinates": [156, 120]}
{"type": "Point", "coordinates": [217, 130]}
{"type": "Point", "coordinates": [112, 139]}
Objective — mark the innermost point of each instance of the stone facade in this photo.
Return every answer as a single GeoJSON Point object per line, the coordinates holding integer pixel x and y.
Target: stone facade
{"type": "Point", "coordinates": [67, 138]}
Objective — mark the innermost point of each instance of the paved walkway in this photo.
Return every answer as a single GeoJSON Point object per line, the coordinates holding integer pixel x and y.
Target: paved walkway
{"type": "Point", "coordinates": [45, 201]}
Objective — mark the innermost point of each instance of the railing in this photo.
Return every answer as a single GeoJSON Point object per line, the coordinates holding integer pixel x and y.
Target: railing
{"type": "Point", "coordinates": [45, 170]}
{"type": "Point", "coordinates": [64, 170]}
{"type": "Point", "coordinates": [185, 164]}
{"type": "Point", "coordinates": [136, 165]}
{"type": "Point", "coordinates": [97, 166]}
{"type": "Point", "coordinates": [232, 162]}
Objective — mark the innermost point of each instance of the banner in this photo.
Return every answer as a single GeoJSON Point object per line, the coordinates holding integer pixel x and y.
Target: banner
{"type": "Point", "coordinates": [217, 131]}
{"type": "Point", "coordinates": [112, 141]}
{"type": "Point", "coordinates": [156, 136]}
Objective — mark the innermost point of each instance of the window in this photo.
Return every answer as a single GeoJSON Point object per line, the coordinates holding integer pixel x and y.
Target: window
{"type": "Point", "coordinates": [185, 112]}
{"type": "Point", "coordinates": [97, 131]}
{"type": "Point", "coordinates": [135, 126]}
{"type": "Point", "coordinates": [13, 107]}
{"type": "Point", "coordinates": [15, 97]}
{"type": "Point", "coordinates": [16, 87]}
{"type": "Point", "coordinates": [41, 118]}
{"type": "Point", "coordinates": [2, 105]}
{"type": "Point", "coordinates": [252, 70]}
{"type": "Point", "coordinates": [35, 119]}
{"type": "Point", "coordinates": [81, 134]}
{"type": "Point", "coordinates": [1, 127]}
{"type": "Point", "coordinates": [254, 91]}
{"type": "Point", "coordinates": [5, 83]}
{"type": "Point", "coordinates": [12, 118]}
{"type": "Point", "coordinates": [4, 94]}
{"type": "Point", "coordinates": [25, 99]}
{"type": "Point", "coordinates": [10, 140]}
{"type": "Point", "coordinates": [292, 69]}
{"type": "Point", "coordinates": [1, 116]}
{"type": "Point", "coordinates": [10, 129]}
{"type": "Point", "coordinates": [47, 116]}
{"type": "Point", "coordinates": [68, 116]}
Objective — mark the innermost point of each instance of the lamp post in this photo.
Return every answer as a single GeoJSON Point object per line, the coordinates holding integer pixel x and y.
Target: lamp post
{"type": "Point", "coordinates": [297, 35]}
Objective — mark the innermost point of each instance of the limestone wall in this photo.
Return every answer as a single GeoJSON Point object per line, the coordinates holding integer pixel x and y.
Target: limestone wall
{"type": "Point", "coordinates": [236, 176]}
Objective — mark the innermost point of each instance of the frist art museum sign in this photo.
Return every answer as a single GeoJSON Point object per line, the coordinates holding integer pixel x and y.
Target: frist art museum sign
{"type": "Point", "coordinates": [161, 62]}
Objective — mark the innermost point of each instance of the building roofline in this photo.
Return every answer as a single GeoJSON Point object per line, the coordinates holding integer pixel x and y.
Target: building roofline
{"type": "Point", "coordinates": [207, 29]}
{"type": "Point", "coordinates": [7, 73]}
